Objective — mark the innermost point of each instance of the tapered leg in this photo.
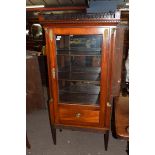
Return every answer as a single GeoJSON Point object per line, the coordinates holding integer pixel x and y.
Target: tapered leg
{"type": "Point", "coordinates": [106, 140]}
{"type": "Point", "coordinates": [27, 143]}
{"type": "Point", "coordinates": [127, 149]}
{"type": "Point", "coordinates": [53, 130]}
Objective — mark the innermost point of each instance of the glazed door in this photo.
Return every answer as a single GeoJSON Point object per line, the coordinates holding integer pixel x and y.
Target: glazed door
{"type": "Point", "coordinates": [80, 67]}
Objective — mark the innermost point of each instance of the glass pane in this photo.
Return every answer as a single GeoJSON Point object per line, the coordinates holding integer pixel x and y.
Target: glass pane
{"type": "Point", "coordinates": [78, 61]}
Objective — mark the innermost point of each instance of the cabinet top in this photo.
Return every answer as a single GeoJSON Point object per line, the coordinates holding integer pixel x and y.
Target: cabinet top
{"type": "Point", "coordinates": [79, 19]}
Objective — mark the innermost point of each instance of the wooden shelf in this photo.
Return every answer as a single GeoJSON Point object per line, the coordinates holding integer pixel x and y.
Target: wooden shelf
{"type": "Point", "coordinates": [79, 49]}
{"type": "Point", "coordinates": [79, 98]}
{"type": "Point", "coordinates": [79, 52]}
{"type": "Point", "coordinates": [82, 88]}
{"type": "Point", "coordinates": [78, 77]}
{"type": "Point", "coordinates": [81, 69]}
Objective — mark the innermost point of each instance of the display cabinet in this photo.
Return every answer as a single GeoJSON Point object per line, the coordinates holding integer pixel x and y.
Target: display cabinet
{"type": "Point", "coordinates": [83, 55]}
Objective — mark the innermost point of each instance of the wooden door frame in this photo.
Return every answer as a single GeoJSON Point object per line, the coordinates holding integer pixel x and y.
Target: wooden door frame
{"type": "Point", "coordinates": [51, 52]}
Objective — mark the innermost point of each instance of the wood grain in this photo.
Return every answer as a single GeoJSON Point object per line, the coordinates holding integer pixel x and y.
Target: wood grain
{"type": "Point", "coordinates": [117, 56]}
{"type": "Point", "coordinates": [92, 117]}
{"type": "Point", "coordinates": [80, 115]}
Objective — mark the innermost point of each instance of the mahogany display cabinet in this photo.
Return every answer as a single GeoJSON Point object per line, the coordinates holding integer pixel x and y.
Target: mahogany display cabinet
{"type": "Point", "coordinates": [84, 55]}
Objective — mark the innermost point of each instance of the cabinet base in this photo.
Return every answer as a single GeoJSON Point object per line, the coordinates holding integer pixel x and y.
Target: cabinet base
{"type": "Point", "coordinates": [100, 130]}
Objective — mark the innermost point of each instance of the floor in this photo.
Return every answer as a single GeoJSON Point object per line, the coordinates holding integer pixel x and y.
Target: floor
{"type": "Point", "coordinates": [68, 142]}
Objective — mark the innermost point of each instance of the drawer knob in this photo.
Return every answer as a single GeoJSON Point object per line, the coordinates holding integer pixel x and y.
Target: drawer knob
{"type": "Point", "coordinates": [78, 115]}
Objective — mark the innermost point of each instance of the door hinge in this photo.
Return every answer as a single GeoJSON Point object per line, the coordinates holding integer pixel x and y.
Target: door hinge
{"type": "Point", "coordinates": [53, 73]}
{"type": "Point", "coordinates": [51, 35]}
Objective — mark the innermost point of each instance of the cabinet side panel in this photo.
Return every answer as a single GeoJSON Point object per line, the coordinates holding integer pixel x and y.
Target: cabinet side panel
{"type": "Point", "coordinates": [104, 77]}
{"type": "Point", "coordinates": [50, 105]}
{"type": "Point", "coordinates": [111, 45]}
{"type": "Point", "coordinates": [48, 62]}
{"type": "Point", "coordinates": [53, 75]}
{"type": "Point", "coordinates": [117, 62]}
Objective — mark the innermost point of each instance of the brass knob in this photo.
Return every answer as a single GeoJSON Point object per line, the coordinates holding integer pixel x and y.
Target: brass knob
{"type": "Point", "coordinates": [108, 104]}
{"type": "Point", "coordinates": [78, 115]}
{"type": "Point", "coordinates": [119, 81]}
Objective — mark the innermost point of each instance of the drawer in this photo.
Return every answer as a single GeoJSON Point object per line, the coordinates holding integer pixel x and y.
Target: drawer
{"type": "Point", "coordinates": [78, 116]}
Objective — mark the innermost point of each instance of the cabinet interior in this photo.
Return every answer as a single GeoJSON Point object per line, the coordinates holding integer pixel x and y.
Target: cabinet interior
{"type": "Point", "coordinates": [78, 68]}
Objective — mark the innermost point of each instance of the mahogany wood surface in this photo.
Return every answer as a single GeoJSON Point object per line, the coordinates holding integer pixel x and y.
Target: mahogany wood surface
{"type": "Point", "coordinates": [117, 55]}
{"type": "Point", "coordinates": [78, 19]}
{"type": "Point", "coordinates": [111, 44]}
{"type": "Point", "coordinates": [81, 30]}
{"type": "Point", "coordinates": [78, 116]}
{"type": "Point", "coordinates": [92, 117]}
{"type": "Point", "coordinates": [86, 118]}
